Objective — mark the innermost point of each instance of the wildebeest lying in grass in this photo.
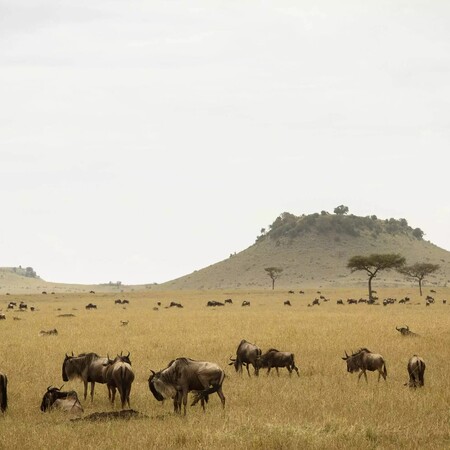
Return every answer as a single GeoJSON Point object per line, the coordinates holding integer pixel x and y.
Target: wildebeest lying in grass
{"type": "Point", "coordinates": [405, 331]}
{"type": "Point", "coordinates": [276, 359]}
{"type": "Point", "coordinates": [416, 371]}
{"type": "Point", "coordinates": [53, 332]}
{"type": "Point", "coordinates": [68, 401]}
{"type": "Point", "coordinates": [3, 392]}
{"type": "Point", "coordinates": [184, 375]}
{"type": "Point", "coordinates": [364, 360]}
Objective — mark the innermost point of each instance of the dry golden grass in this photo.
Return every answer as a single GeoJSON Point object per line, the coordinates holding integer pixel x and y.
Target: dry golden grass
{"type": "Point", "coordinates": [325, 408]}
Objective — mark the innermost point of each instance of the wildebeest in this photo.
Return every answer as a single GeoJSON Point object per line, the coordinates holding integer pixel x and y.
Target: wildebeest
{"type": "Point", "coordinates": [275, 358]}
{"type": "Point", "coordinates": [91, 292]}
{"type": "Point", "coordinates": [89, 367]}
{"type": "Point", "coordinates": [53, 332]}
{"type": "Point", "coordinates": [316, 302]}
{"type": "Point", "coordinates": [2, 316]}
{"type": "Point", "coordinates": [246, 353]}
{"type": "Point", "coordinates": [119, 375]}
{"type": "Point", "coordinates": [245, 303]}
{"type": "Point", "coordinates": [229, 301]}
{"type": "Point", "coordinates": [91, 306]}
{"type": "Point", "coordinates": [184, 375]}
{"type": "Point", "coordinates": [287, 303]}
{"type": "Point", "coordinates": [175, 305]}
{"type": "Point", "coordinates": [291, 292]}
{"type": "Point", "coordinates": [364, 360]}
{"type": "Point", "coordinates": [339, 302]}
{"type": "Point", "coordinates": [214, 303]}
{"type": "Point", "coordinates": [416, 371]}
{"type": "Point", "coordinates": [124, 322]}
{"type": "Point", "coordinates": [68, 401]}
{"type": "Point", "coordinates": [3, 392]}
{"type": "Point", "coordinates": [405, 331]}
{"type": "Point", "coordinates": [23, 306]}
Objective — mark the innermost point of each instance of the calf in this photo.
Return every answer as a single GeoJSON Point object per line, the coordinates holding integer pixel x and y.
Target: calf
{"type": "Point", "coordinates": [275, 358]}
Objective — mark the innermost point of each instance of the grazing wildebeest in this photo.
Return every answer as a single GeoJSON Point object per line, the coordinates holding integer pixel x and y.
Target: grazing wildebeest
{"type": "Point", "coordinates": [301, 292]}
{"type": "Point", "coordinates": [316, 302]}
{"type": "Point", "coordinates": [364, 360]}
{"type": "Point", "coordinates": [124, 322]}
{"type": "Point", "coordinates": [183, 375]}
{"type": "Point", "coordinates": [287, 303]}
{"type": "Point", "coordinates": [291, 292]}
{"type": "Point", "coordinates": [53, 332]}
{"type": "Point", "coordinates": [11, 305]}
{"type": "Point", "coordinates": [245, 303]}
{"type": "Point", "coordinates": [91, 292]}
{"type": "Point", "coordinates": [246, 353]}
{"type": "Point", "coordinates": [68, 401]}
{"type": "Point", "coordinates": [2, 316]}
{"type": "Point", "coordinates": [175, 305]}
{"type": "Point", "coordinates": [275, 358]}
{"type": "Point", "coordinates": [214, 303]}
{"type": "Point", "coordinates": [23, 306]}
{"type": "Point", "coordinates": [89, 367]}
{"type": "Point", "coordinates": [339, 302]}
{"type": "Point", "coordinates": [229, 301]}
{"type": "Point", "coordinates": [118, 301]}
{"type": "Point", "coordinates": [120, 376]}
{"type": "Point", "coordinates": [91, 306]}
{"type": "Point", "coordinates": [405, 331]}
{"type": "Point", "coordinates": [416, 371]}
{"type": "Point", "coordinates": [3, 392]}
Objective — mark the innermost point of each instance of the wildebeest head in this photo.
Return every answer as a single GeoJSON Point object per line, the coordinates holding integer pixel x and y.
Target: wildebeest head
{"type": "Point", "coordinates": [352, 362]}
{"type": "Point", "coordinates": [159, 385]}
{"type": "Point", "coordinates": [50, 397]}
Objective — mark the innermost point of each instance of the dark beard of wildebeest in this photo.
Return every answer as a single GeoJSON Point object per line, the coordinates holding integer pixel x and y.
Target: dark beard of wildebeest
{"type": "Point", "coordinates": [246, 354]}
{"type": "Point", "coordinates": [89, 367]}
{"type": "Point", "coordinates": [275, 358]}
{"type": "Point", "coordinates": [3, 392]}
{"type": "Point", "coordinates": [364, 360]}
{"type": "Point", "coordinates": [54, 398]}
{"type": "Point", "coordinates": [184, 375]}
{"type": "Point", "coordinates": [120, 376]}
{"type": "Point", "coordinates": [416, 371]}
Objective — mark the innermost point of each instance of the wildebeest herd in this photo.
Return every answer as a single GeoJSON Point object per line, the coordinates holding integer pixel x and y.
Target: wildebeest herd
{"type": "Point", "coordinates": [184, 375]}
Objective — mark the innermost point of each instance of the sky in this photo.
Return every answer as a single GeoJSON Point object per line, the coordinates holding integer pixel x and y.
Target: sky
{"type": "Point", "coordinates": [143, 140]}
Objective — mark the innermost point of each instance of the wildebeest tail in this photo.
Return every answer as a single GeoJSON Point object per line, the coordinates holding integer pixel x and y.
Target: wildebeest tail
{"type": "Point", "coordinates": [384, 369]}
{"type": "Point", "coordinates": [3, 392]}
{"type": "Point", "coordinates": [124, 385]}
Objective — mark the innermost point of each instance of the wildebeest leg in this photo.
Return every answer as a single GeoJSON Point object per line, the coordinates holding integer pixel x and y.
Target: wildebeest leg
{"type": "Point", "coordinates": [248, 370]}
{"type": "Point", "coordinates": [296, 369]}
{"type": "Point", "coordinates": [268, 370]}
{"type": "Point", "coordinates": [360, 374]}
{"type": "Point", "coordinates": [278, 372]}
{"type": "Point", "coordinates": [221, 396]}
{"type": "Point", "coordinates": [92, 391]}
{"type": "Point", "coordinates": [85, 388]}
{"type": "Point", "coordinates": [185, 396]}
{"type": "Point", "coordinates": [113, 394]}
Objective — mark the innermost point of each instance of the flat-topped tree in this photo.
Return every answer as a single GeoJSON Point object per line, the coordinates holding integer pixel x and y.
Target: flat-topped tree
{"type": "Point", "coordinates": [274, 273]}
{"type": "Point", "coordinates": [375, 263]}
{"type": "Point", "coordinates": [419, 271]}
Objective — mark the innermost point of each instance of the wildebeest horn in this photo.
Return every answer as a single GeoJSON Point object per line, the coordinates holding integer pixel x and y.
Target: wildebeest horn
{"type": "Point", "coordinates": [49, 388]}
{"type": "Point", "coordinates": [128, 355]}
{"type": "Point", "coordinates": [73, 354]}
{"type": "Point", "coordinates": [407, 327]}
{"type": "Point", "coordinates": [120, 353]}
{"type": "Point", "coordinates": [61, 387]}
{"type": "Point", "coordinates": [153, 372]}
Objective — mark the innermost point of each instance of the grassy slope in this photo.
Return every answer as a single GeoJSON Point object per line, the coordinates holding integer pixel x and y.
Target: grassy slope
{"type": "Point", "coordinates": [314, 260]}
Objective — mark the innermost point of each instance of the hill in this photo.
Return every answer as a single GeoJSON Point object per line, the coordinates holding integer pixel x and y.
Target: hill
{"type": "Point", "coordinates": [313, 251]}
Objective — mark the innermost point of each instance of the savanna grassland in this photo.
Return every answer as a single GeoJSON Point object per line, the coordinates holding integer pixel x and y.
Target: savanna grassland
{"type": "Point", "coordinates": [323, 408]}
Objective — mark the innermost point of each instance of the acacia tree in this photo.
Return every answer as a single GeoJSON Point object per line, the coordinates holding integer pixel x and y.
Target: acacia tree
{"type": "Point", "coordinates": [375, 263]}
{"type": "Point", "coordinates": [419, 271]}
{"type": "Point", "coordinates": [274, 273]}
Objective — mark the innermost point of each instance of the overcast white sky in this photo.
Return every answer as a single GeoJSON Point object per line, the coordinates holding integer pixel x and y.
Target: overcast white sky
{"type": "Point", "coordinates": [143, 140]}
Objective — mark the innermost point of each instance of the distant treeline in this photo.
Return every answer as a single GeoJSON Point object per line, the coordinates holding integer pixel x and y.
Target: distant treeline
{"type": "Point", "coordinates": [290, 226]}
{"type": "Point", "coordinates": [25, 272]}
